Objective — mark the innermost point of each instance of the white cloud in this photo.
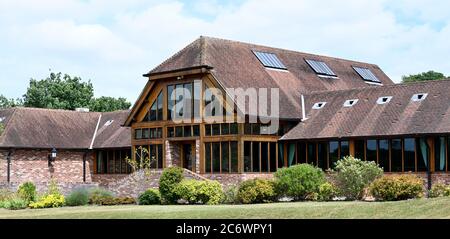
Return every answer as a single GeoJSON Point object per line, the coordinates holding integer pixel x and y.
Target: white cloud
{"type": "Point", "coordinates": [114, 42]}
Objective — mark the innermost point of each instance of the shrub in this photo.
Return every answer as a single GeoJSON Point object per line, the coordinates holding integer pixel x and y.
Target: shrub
{"type": "Point", "coordinates": [49, 201]}
{"type": "Point", "coordinates": [439, 190]}
{"type": "Point", "coordinates": [230, 195]}
{"type": "Point", "coordinates": [150, 197]}
{"type": "Point", "coordinates": [256, 191]}
{"type": "Point", "coordinates": [27, 191]}
{"type": "Point", "coordinates": [195, 191]}
{"type": "Point", "coordinates": [78, 197]}
{"type": "Point", "coordinates": [327, 191]}
{"type": "Point", "coordinates": [6, 195]}
{"type": "Point", "coordinates": [14, 204]}
{"type": "Point", "coordinates": [353, 176]}
{"type": "Point", "coordinates": [170, 178]}
{"type": "Point", "coordinates": [99, 195]}
{"type": "Point", "coordinates": [300, 182]}
{"type": "Point", "coordinates": [110, 201]}
{"type": "Point", "coordinates": [394, 188]}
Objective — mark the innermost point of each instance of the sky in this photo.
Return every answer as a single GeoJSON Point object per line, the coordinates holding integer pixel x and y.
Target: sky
{"type": "Point", "coordinates": [112, 42]}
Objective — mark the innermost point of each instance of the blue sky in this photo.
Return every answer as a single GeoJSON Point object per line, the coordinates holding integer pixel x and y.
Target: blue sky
{"type": "Point", "coordinates": [113, 43]}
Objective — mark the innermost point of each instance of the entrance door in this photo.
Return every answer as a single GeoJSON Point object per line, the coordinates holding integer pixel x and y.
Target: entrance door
{"type": "Point", "coordinates": [188, 157]}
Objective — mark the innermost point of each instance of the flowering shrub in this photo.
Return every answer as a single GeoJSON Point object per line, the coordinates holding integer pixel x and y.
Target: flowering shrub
{"type": "Point", "coordinates": [256, 191]}
{"type": "Point", "coordinates": [49, 201]}
{"type": "Point", "coordinates": [394, 188]}
{"type": "Point", "coordinates": [440, 190]}
{"type": "Point", "coordinates": [195, 191]}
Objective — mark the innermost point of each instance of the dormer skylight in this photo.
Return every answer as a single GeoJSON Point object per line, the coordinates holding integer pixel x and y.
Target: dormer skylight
{"type": "Point", "coordinates": [384, 100]}
{"type": "Point", "coordinates": [320, 68]}
{"type": "Point", "coordinates": [350, 103]}
{"type": "Point", "coordinates": [366, 74]}
{"type": "Point", "coordinates": [319, 105]}
{"type": "Point", "coordinates": [109, 122]}
{"type": "Point", "coordinates": [419, 97]}
{"type": "Point", "coordinates": [269, 60]}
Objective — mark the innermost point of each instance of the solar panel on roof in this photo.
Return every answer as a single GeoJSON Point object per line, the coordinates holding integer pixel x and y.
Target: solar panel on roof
{"type": "Point", "coordinates": [366, 74]}
{"type": "Point", "coordinates": [320, 68]}
{"type": "Point", "coordinates": [269, 60]}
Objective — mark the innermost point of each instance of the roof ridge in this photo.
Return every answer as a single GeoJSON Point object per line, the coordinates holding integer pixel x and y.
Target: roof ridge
{"type": "Point", "coordinates": [202, 51]}
{"type": "Point", "coordinates": [287, 50]}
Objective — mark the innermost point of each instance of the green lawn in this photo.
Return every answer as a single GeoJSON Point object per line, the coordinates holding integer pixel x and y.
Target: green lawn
{"type": "Point", "coordinates": [421, 208]}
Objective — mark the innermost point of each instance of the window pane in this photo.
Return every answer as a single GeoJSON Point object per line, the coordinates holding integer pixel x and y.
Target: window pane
{"type": "Point", "coordinates": [197, 98]}
{"type": "Point", "coordinates": [334, 153]}
{"type": "Point", "coordinates": [422, 154]}
{"type": "Point", "coordinates": [371, 150]}
{"type": "Point", "coordinates": [117, 163]}
{"type": "Point", "coordinates": [160, 106]}
{"type": "Point", "coordinates": [323, 155]}
{"type": "Point", "coordinates": [146, 133]}
{"type": "Point", "coordinates": [208, 157]}
{"type": "Point", "coordinates": [359, 149]}
{"type": "Point", "coordinates": [345, 149]}
{"type": "Point", "coordinates": [160, 156]}
{"type": "Point", "coordinates": [187, 131]}
{"type": "Point", "coordinates": [234, 157]}
{"type": "Point", "coordinates": [153, 159]}
{"type": "Point", "coordinates": [196, 130]}
{"type": "Point", "coordinates": [410, 156]}
{"type": "Point", "coordinates": [179, 131]}
{"type": "Point", "coordinates": [208, 130]}
{"type": "Point", "coordinates": [234, 128]}
{"type": "Point", "coordinates": [225, 157]}
{"type": "Point", "coordinates": [208, 99]}
{"type": "Point", "coordinates": [110, 162]}
{"type": "Point", "coordinates": [383, 154]}
{"type": "Point", "coordinates": [312, 159]}
{"type": "Point", "coordinates": [225, 129]}
{"type": "Point", "coordinates": [159, 133]}
{"type": "Point", "coordinates": [247, 157]}
{"type": "Point", "coordinates": [138, 134]}
{"type": "Point", "coordinates": [255, 158]}
{"type": "Point", "coordinates": [301, 152]}
{"type": "Point", "coordinates": [179, 103]}
{"type": "Point", "coordinates": [273, 157]}
{"type": "Point", "coordinates": [100, 162]}
{"type": "Point", "coordinates": [441, 154]}
{"type": "Point", "coordinates": [216, 157]}
{"type": "Point", "coordinates": [280, 155]}
{"type": "Point", "coordinates": [247, 129]}
{"type": "Point", "coordinates": [264, 157]}
{"type": "Point", "coordinates": [170, 101]}
{"type": "Point", "coordinates": [123, 156]}
{"type": "Point", "coordinates": [153, 112]}
{"type": "Point", "coordinates": [256, 129]}
{"type": "Point", "coordinates": [291, 154]}
{"type": "Point", "coordinates": [396, 155]}
{"type": "Point", "coordinates": [170, 132]}
{"type": "Point", "coordinates": [216, 129]}
{"type": "Point", "coordinates": [188, 106]}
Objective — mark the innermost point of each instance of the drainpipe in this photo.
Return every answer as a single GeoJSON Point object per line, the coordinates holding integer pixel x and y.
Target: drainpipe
{"type": "Point", "coordinates": [8, 159]}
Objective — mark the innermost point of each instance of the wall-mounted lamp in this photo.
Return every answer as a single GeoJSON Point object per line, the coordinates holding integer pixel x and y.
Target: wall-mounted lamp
{"type": "Point", "coordinates": [52, 157]}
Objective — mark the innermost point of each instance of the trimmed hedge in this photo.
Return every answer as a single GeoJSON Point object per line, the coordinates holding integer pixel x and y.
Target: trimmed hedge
{"type": "Point", "coordinates": [256, 191]}
{"type": "Point", "coordinates": [199, 192]}
{"type": "Point", "coordinates": [395, 188]}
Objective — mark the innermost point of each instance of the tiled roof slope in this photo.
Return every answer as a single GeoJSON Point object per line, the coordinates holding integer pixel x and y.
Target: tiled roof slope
{"type": "Point", "coordinates": [401, 116]}
{"type": "Point", "coordinates": [62, 129]}
{"type": "Point", "coordinates": [234, 65]}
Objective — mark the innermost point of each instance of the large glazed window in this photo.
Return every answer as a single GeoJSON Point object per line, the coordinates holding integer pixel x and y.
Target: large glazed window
{"type": "Point", "coordinates": [112, 162]}
{"type": "Point", "coordinates": [221, 157]}
{"type": "Point", "coordinates": [156, 109]}
{"type": "Point", "coordinates": [183, 100]}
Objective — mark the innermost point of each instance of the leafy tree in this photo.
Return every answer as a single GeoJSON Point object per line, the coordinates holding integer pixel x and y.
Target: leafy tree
{"type": "Point", "coordinates": [106, 104]}
{"type": "Point", "coordinates": [7, 103]}
{"type": "Point", "coordinates": [66, 92]}
{"type": "Point", "coordinates": [424, 76]}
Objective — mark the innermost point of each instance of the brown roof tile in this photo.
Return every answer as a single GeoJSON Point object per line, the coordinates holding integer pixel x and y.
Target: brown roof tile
{"type": "Point", "coordinates": [234, 65]}
{"type": "Point", "coordinates": [400, 116]}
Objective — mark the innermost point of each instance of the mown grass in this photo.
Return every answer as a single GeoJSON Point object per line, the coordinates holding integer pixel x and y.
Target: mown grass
{"type": "Point", "coordinates": [420, 208]}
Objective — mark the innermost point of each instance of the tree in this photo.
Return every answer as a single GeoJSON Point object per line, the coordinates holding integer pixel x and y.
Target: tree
{"type": "Point", "coordinates": [106, 104]}
{"type": "Point", "coordinates": [59, 91]}
{"type": "Point", "coordinates": [8, 103]}
{"type": "Point", "coordinates": [424, 76]}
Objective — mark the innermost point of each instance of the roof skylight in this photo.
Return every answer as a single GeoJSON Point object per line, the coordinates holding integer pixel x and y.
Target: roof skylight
{"type": "Point", "coordinates": [109, 122]}
{"type": "Point", "coordinates": [366, 74]}
{"type": "Point", "coordinates": [419, 97]}
{"type": "Point", "coordinates": [384, 100]}
{"type": "Point", "coordinates": [350, 103]}
{"type": "Point", "coordinates": [320, 67]}
{"type": "Point", "coordinates": [269, 60]}
{"type": "Point", "coordinates": [319, 105]}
